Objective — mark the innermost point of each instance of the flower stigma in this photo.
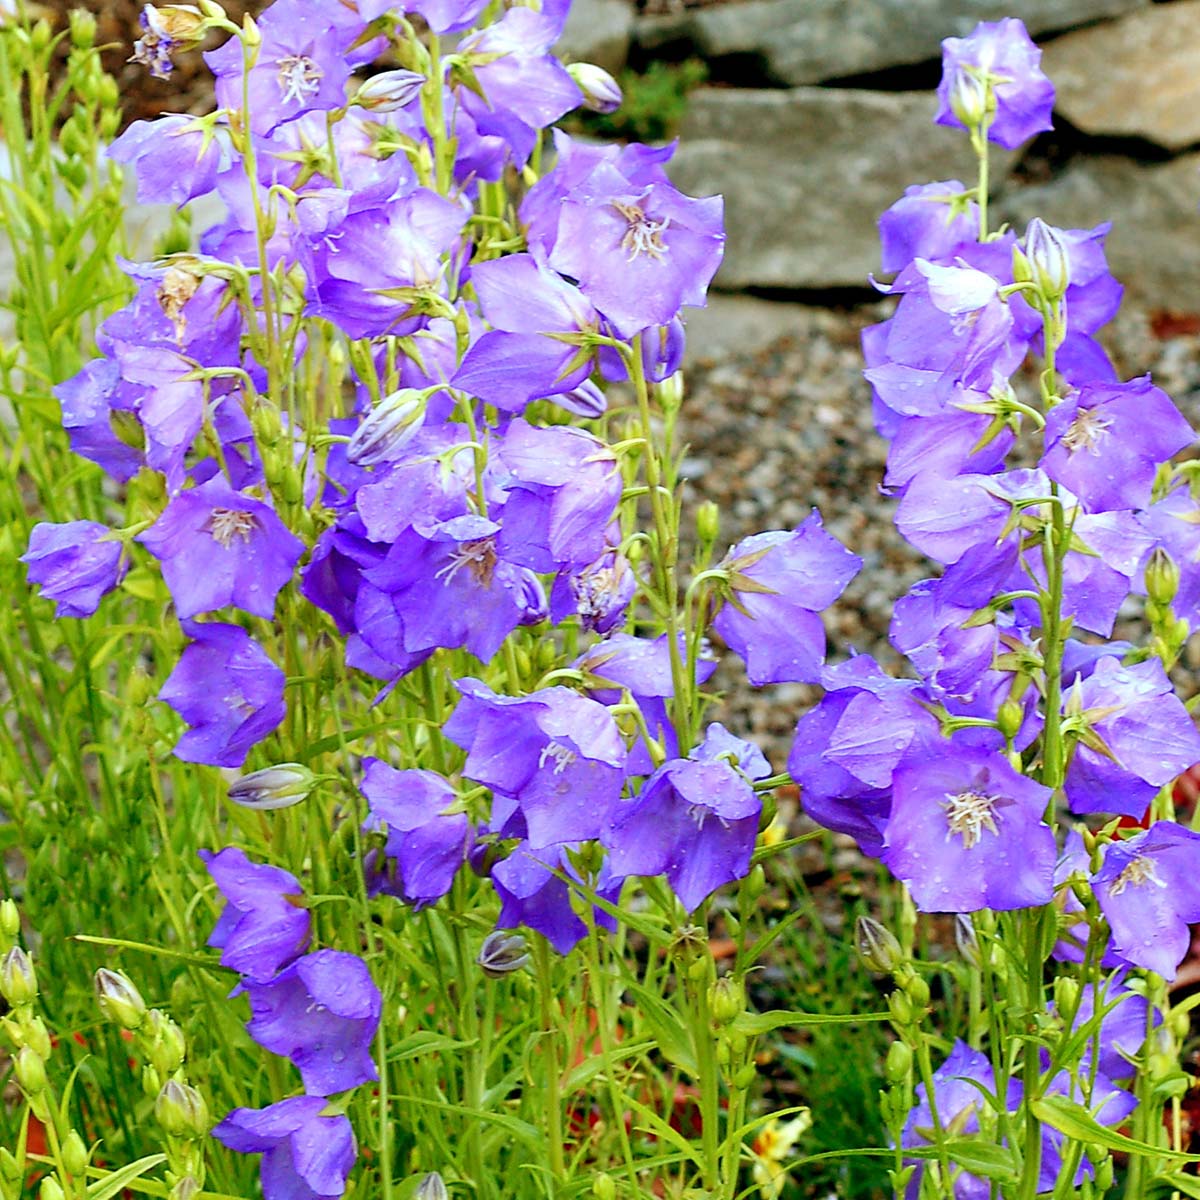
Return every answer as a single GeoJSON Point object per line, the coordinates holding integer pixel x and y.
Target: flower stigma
{"type": "Point", "coordinates": [225, 524]}
{"type": "Point", "coordinates": [299, 77]}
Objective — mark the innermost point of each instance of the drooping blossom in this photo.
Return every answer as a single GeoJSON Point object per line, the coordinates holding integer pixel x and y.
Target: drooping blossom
{"type": "Point", "coordinates": [75, 564]}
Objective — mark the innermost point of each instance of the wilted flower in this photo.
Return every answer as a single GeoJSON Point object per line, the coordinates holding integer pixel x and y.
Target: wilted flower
{"type": "Point", "coordinates": [166, 28]}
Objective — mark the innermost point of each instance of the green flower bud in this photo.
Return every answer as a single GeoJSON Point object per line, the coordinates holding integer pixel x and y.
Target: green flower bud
{"type": "Point", "coordinates": [1162, 578]}
{"type": "Point", "coordinates": [30, 1071]}
{"type": "Point", "coordinates": [37, 1037]}
{"type": "Point", "coordinates": [1046, 251]}
{"type": "Point", "coordinates": [170, 1048]}
{"type": "Point", "coordinates": [273, 787]}
{"type": "Point", "coordinates": [708, 522]}
{"type": "Point", "coordinates": [83, 28]}
{"type": "Point", "coordinates": [898, 1062]}
{"type": "Point", "coordinates": [918, 992]}
{"type": "Point", "coordinates": [967, 941]}
{"type": "Point", "coordinates": [756, 882]}
{"type": "Point", "coordinates": [1066, 995]}
{"type": "Point", "coordinates": [877, 946]}
{"type": "Point", "coordinates": [10, 920]}
{"type": "Point", "coordinates": [745, 1077]}
{"type": "Point", "coordinates": [119, 1000]}
{"type": "Point", "coordinates": [50, 1189]}
{"type": "Point", "coordinates": [18, 983]}
{"type": "Point", "coordinates": [151, 1081]}
{"type": "Point", "coordinates": [603, 1187]}
{"type": "Point", "coordinates": [726, 1000]}
{"type": "Point", "coordinates": [432, 1187]}
{"type": "Point", "coordinates": [901, 1008]}
{"type": "Point", "coordinates": [74, 1154]}
{"type": "Point", "coordinates": [1010, 718]}
{"type": "Point", "coordinates": [41, 36]}
{"type": "Point", "coordinates": [181, 1111]}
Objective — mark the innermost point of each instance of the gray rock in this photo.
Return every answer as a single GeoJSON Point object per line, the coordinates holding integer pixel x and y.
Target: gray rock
{"type": "Point", "coordinates": [807, 41]}
{"type": "Point", "coordinates": [597, 31]}
{"type": "Point", "coordinates": [806, 172]}
{"type": "Point", "coordinates": [1154, 246]}
{"type": "Point", "coordinates": [1137, 76]}
{"type": "Point", "coordinates": [739, 325]}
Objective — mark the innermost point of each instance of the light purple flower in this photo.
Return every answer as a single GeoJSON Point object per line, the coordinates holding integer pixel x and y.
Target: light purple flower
{"type": "Point", "coordinates": [306, 1156]}
{"type": "Point", "coordinates": [260, 930]}
{"type": "Point", "coordinates": [228, 690]}
{"type": "Point", "coordinates": [220, 547]}
{"type": "Point", "coordinates": [1002, 53]}
{"type": "Point", "coordinates": [75, 564]}
{"type": "Point", "coordinates": [176, 158]}
{"type": "Point", "coordinates": [425, 845]}
{"type": "Point", "coordinates": [931, 220]}
{"type": "Point", "coordinates": [966, 833]}
{"type": "Point", "coordinates": [1149, 891]}
{"type": "Point", "coordinates": [778, 583]}
{"type": "Point", "coordinates": [322, 1013]}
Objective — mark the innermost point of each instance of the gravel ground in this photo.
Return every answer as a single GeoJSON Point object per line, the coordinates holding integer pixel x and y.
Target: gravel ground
{"type": "Point", "coordinates": [774, 433]}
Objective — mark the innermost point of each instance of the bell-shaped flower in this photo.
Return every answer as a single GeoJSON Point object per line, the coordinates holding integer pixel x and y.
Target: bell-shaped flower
{"type": "Point", "coordinates": [76, 564]}
{"type": "Point", "coordinates": [322, 1013]}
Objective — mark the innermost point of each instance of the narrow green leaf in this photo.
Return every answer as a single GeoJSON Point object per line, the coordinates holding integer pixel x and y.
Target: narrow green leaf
{"type": "Point", "coordinates": [1076, 1122]}
{"type": "Point", "coordinates": [105, 1189]}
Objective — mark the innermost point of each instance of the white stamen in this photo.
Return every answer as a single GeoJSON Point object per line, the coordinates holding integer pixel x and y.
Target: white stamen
{"type": "Point", "coordinates": [299, 77]}
{"type": "Point", "coordinates": [479, 556]}
{"type": "Point", "coordinates": [1086, 431]}
{"type": "Point", "coordinates": [643, 236]}
{"type": "Point", "coordinates": [1141, 870]}
{"type": "Point", "coordinates": [227, 523]}
{"type": "Point", "coordinates": [969, 814]}
{"type": "Point", "coordinates": [561, 756]}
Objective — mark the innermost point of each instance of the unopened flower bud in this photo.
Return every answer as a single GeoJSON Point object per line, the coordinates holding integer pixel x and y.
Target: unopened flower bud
{"type": "Point", "coordinates": [10, 919]}
{"type": "Point", "coordinates": [151, 1081]}
{"type": "Point", "coordinates": [967, 941]}
{"type": "Point", "coordinates": [50, 1189]}
{"type": "Point", "coordinates": [1162, 578]}
{"type": "Point", "coordinates": [1049, 261]}
{"type": "Point", "coordinates": [169, 1049]}
{"type": "Point", "coordinates": [1010, 717]}
{"type": "Point", "coordinates": [273, 787]}
{"type": "Point", "coordinates": [432, 1187]}
{"type": "Point", "coordinates": [74, 1154]}
{"type": "Point", "coordinates": [10, 1169]}
{"type": "Point", "coordinates": [726, 1000]}
{"type": "Point", "coordinates": [586, 400]}
{"type": "Point", "coordinates": [746, 1076]}
{"type": "Point", "coordinates": [898, 1062]}
{"type": "Point", "coordinates": [384, 432]}
{"type": "Point", "coordinates": [83, 28]}
{"type": "Point", "coordinates": [188, 1187]}
{"type": "Point", "coordinates": [603, 1187]}
{"type": "Point", "coordinates": [918, 992]}
{"type": "Point", "coordinates": [181, 1111]}
{"type": "Point", "coordinates": [30, 1071]}
{"type": "Point", "coordinates": [390, 90]}
{"type": "Point", "coordinates": [601, 92]}
{"type": "Point", "coordinates": [969, 98]}
{"type": "Point", "coordinates": [18, 983]}
{"type": "Point", "coordinates": [708, 522]}
{"type": "Point", "coordinates": [756, 882]}
{"type": "Point", "coordinates": [1066, 995]}
{"type": "Point", "coordinates": [877, 946]}
{"type": "Point", "coordinates": [37, 1037]}
{"type": "Point", "coordinates": [119, 1000]}
{"type": "Point", "coordinates": [502, 953]}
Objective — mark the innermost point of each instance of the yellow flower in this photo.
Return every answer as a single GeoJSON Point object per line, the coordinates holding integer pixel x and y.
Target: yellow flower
{"type": "Point", "coordinates": [773, 1146]}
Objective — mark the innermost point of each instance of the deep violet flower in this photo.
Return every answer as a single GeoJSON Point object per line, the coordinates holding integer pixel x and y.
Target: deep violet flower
{"type": "Point", "coordinates": [966, 833]}
{"type": "Point", "coordinates": [778, 583]}
{"type": "Point", "coordinates": [306, 1156]}
{"type": "Point", "coordinates": [425, 845]}
{"type": "Point", "coordinates": [75, 564]}
{"type": "Point", "coordinates": [228, 690]}
{"type": "Point", "coordinates": [1149, 891]}
{"type": "Point", "coordinates": [260, 930]}
{"type": "Point", "coordinates": [321, 1012]}
{"type": "Point", "coordinates": [1003, 54]}
{"type": "Point", "coordinates": [531, 894]}
{"type": "Point", "coordinates": [220, 547]}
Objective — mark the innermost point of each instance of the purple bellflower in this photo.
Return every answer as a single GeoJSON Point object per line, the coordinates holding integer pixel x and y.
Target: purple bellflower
{"type": "Point", "coordinates": [1002, 54]}
{"type": "Point", "coordinates": [695, 820]}
{"type": "Point", "coordinates": [321, 1012]}
{"type": "Point", "coordinates": [260, 930]}
{"type": "Point", "coordinates": [176, 158]}
{"type": "Point", "coordinates": [425, 845]}
{"type": "Point", "coordinates": [75, 564]}
{"type": "Point", "coordinates": [554, 760]}
{"type": "Point", "coordinates": [1149, 891]}
{"type": "Point", "coordinates": [931, 220]}
{"type": "Point", "coordinates": [531, 894]}
{"type": "Point", "coordinates": [1105, 442]}
{"type": "Point", "coordinates": [306, 1155]}
{"type": "Point", "coordinates": [229, 692]}
{"type": "Point", "coordinates": [966, 833]}
{"type": "Point", "coordinates": [778, 583]}
{"type": "Point", "coordinates": [220, 547]}
{"type": "Point", "coordinates": [1135, 736]}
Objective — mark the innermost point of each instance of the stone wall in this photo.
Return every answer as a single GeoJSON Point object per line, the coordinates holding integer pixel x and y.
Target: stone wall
{"type": "Point", "coordinates": [822, 115]}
